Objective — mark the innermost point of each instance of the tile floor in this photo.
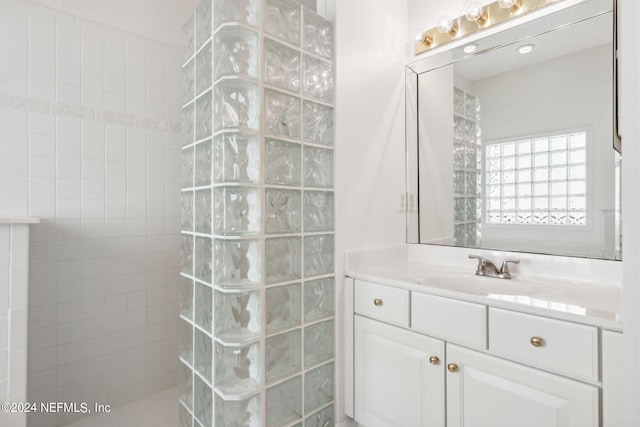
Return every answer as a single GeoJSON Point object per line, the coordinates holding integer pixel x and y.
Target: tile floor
{"type": "Point", "coordinates": [157, 410]}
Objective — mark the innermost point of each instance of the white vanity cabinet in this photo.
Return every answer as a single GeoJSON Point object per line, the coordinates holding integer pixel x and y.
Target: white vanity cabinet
{"type": "Point", "coordinates": [457, 363]}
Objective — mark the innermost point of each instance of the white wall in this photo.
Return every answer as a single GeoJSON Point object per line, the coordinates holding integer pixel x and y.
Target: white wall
{"type": "Point", "coordinates": [369, 163]}
{"type": "Point", "coordinates": [159, 20]}
{"type": "Point", "coordinates": [630, 111]}
{"type": "Point", "coordinates": [14, 272]}
{"type": "Point", "coordinates": [90, 143]}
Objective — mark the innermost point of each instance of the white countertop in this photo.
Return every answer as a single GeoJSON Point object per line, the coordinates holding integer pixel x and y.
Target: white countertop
{"type": "Point", "coordinates": [19, 220]}
{"type": "Point", "coordinates": [574, 298]}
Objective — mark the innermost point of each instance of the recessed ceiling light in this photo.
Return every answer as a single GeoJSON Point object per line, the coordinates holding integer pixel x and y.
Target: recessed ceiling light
{"type": "Point", "coordinates": [527, 48]}
{"type": "Point", "coordinates": [470, 48]}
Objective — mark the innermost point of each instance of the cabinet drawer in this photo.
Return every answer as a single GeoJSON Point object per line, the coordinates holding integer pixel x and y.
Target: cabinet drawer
{"type": "Point", "coordinates": [566, 347]}
{"type": "Point", "coordinates": [457, 321]}
{"type": "Point", "coordinates": [382, 302]}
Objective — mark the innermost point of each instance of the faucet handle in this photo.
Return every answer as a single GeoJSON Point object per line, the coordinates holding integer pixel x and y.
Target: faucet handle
{"type": "Point", "coordinates": [482, 262]}
{"type": "Point", "coordinates": [504, 269]}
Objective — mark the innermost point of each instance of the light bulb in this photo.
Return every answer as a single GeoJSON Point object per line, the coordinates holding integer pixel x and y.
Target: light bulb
{"type": "Point", "coordinates": [512, 5]}
{"type": "Point", "coordinates": [423, 38]}
{"type": "Point", "coordinates": [476, 13]}
{"type": "Point", "coordinates": [447, 25]}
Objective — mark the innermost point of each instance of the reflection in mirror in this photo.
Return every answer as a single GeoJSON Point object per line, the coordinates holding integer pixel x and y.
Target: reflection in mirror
{"type": "Point", "coordinates": [512, 147]}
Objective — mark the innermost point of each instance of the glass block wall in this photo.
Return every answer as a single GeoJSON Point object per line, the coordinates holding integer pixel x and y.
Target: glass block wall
{"type": "Point", "coordinates": [257, 292]}
{"type": "Point", "coordinates": [467, 210]}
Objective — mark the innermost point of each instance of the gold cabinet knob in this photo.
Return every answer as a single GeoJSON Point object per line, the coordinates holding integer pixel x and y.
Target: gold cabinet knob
{"type": "Point", "coordinates": [434, 360]}
{"type": "Point", "coordinates": [452, 367]}
{"type": "Point", "coordinates": [536, 341]}
{"type": "Point", "coordinates": [377, 302]}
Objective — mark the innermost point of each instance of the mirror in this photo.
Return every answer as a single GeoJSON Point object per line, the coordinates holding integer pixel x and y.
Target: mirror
{"type": "Point", "coordinates": [511, 142]}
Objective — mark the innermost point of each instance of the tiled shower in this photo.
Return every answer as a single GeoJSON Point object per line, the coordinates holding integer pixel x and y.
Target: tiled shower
{"type": "Point", "coordinates": [256, 326]}
{"type": "Point", "coordinates": [90, 144]}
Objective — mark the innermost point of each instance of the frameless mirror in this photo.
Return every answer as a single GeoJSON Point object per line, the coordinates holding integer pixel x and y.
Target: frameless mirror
{"type": "Point", "coordinates": [511, 142]}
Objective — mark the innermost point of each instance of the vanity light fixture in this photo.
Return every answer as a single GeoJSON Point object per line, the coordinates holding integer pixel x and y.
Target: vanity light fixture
{"type": "Point", "coordinates": [526, 48]}
{"type": "Point", "coordinates": [476, 18]}
{"type": "Point", "coordinates": [476, 13]}
{"type": "Point", "coordinates": [447, 25]}
{"type": "Point", "coordinates": [470, 48]}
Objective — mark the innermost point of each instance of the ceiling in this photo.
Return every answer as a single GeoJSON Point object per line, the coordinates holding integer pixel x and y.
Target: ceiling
{"type": "Point", "coordinates": [571, 39]}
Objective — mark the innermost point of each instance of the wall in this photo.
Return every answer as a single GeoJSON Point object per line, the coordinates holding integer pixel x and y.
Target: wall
{"type": "Point", "coordinates": [14, 272]}
{"type": "Point", "coordinates": [630, 126]}
{"type": "Point", "coordinates": [370, 57]}
{"type": "Point", "coordinates": [89, 142]}
{"type": "Point", "coordinates": [159, 20]}
{"type": "Point", "coordinates": [134, 16]}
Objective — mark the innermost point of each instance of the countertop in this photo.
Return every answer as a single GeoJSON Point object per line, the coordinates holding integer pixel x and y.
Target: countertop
{"type": "Point", "coordinates": [570, 299]}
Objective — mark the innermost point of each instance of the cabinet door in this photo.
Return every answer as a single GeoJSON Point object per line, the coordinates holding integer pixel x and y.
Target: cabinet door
{"type": "Point", "coordinates": [396, 385]}
{"type": "Point", "coordinates": [486, 391]}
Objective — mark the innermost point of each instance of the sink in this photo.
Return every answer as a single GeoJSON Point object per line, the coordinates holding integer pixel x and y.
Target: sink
{"type": "Point", "coordinates": [478, 285]}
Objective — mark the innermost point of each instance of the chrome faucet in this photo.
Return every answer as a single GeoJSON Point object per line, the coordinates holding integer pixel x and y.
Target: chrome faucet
{"type": "Point", "coordinates": [489, 269]}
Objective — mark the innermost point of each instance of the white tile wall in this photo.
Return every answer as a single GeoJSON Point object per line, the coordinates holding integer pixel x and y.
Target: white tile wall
{"type": "Point", "coordinates": [14, 266]}
{"type": "Point", "coordinates": [89, 142]}
{"type": "Point", "coordinates": [5, 266]}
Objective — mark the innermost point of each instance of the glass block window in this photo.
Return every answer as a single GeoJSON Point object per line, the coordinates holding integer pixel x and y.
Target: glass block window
{"type": "Point", "coordinates": [537, 181]}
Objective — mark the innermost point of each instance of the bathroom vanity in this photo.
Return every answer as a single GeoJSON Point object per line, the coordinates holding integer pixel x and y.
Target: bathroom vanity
{"type": "Point", "coordinates": [505, 129]}
{"type": "Point", "coordinates": [434, 345]}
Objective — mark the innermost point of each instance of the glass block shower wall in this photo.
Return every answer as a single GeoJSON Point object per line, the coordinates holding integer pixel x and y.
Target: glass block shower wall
{"type": "Point", "coordinates": [257, 292]}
